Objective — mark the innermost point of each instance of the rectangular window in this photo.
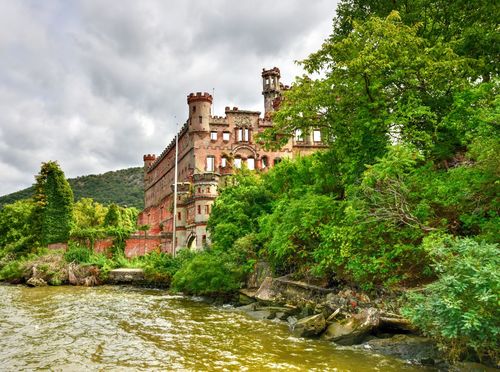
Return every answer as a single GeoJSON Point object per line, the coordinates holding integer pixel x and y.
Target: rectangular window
{"type": "Point", "coordinates": [179, 216]}
{"type": "Point", "coordinates": [200, 119]}
{"type": "Point", "coordinates": [208, 189]}
{"type": "Point", "coordinates": [210, 163]}
{"type": "Point", "coordinates": [199, 209]}
{"type": "Point", "coordinates": [240, 135]}
{"type": "Point", "coordinates": [213, 136]}
{"type": "Point", "coordinates": [245, 134]}
{"type": "Point", "coordinates": [298, 135]}
{"type": "Point", "coordinates": [317, 136]}
{"type": "Point", "coordinates": [225, 136]}
{"type": "Point", "coordinates": [207, 209]}
{"type": "Point", "coordinates": [223, 162]}
{"type": "Point", "coordinates": [237, 163]}
{"type": "Point", "coordinates": [251, 163]}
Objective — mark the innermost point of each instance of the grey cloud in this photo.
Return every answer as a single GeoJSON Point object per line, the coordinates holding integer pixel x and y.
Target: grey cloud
{"type": "Point", "coordinates": [97, 84]}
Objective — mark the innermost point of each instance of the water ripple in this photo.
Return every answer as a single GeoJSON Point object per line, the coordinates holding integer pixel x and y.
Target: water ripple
{"type": "Point", "coordinates": [123, 328]}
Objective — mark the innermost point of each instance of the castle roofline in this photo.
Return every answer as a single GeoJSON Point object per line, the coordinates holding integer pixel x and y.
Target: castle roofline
{"type": "Point", "coordinates": [199, 96]}
{"type": "Point", "coordinates": [271, 72]}
{"type": "Point", "coordinates": [238, 111]}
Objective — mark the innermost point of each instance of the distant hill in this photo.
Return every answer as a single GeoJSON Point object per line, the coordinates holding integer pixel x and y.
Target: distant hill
{"type": "Point", "coordinates": [123, 187]}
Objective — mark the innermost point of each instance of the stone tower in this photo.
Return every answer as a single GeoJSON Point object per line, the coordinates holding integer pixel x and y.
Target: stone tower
{"type": "Point", "coordinates": [270, 88]}
{"type": "Point", "coordinates": [200, 106]}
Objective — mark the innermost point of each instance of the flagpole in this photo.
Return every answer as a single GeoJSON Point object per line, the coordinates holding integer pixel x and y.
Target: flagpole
{"type": "Point", "coordinates": [175, 189]}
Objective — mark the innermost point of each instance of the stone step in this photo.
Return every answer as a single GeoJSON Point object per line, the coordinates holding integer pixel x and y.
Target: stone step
{"type": "Point", "coordinates": [126, 275]}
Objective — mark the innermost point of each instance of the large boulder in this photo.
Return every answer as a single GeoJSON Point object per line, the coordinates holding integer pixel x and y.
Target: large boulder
{"type": "Point", "coordinates": [410, 347]}
{"type": "Point", "coordinates": [266, 291]}
{"type": "Point", "coordinates": [353, 330]}
{"type": "Point", "coordinates": [310, 326]}
{"type": "Point", "coordinates": [261, 271]}
{"type": "Point", "coordinates": [36, 282]}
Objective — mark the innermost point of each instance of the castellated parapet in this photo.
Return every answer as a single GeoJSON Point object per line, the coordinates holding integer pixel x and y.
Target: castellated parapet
{"type": "Point", "coordinates": [210, 149]}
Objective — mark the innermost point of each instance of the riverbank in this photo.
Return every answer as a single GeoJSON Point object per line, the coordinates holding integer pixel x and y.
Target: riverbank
{"type": "Point", "coordinates": [131, 328]}
{"type": "Point", "coordinates": [343, 316]}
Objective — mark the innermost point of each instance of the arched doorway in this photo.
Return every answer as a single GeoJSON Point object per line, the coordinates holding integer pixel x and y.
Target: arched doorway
{"type": "Point", "coordinates": [191, 242]}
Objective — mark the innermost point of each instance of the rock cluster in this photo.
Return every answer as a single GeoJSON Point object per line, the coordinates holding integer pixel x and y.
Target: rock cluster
{"type": "Point", "coordinates": [344, 317]}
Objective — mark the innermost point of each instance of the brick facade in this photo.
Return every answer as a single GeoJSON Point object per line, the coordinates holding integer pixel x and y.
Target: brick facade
{"type": "Point", "coordinates": [209, 148]}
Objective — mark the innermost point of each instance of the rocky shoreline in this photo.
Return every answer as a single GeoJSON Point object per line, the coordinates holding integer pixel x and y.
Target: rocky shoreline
{"type": "Point", "coordinates": [345, 317]}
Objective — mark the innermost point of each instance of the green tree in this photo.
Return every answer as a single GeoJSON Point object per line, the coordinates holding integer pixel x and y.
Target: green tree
{"type": "Point", "coordinates": [471, 27]}
{"type": "Point", "coordinates": [89, 213]}
{"type": "Point", "coordinates": [237, 209]}
{"type": "Point", "coordinates": [53, 213]}
{"type": "Point", "coordinates": [113, 217]}
{"type": "Point", "coordinates": [16, 232]}
{"type": "Point", "coordinates": [380, 83]}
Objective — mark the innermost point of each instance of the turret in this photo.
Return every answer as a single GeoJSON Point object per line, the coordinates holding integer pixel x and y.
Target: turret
{"type": "Point", "coordinates": [270, 88]}
{"type": "Point", "coordinates": [200, 107]}
{"type": "Point", "coordinates": [148, 160]}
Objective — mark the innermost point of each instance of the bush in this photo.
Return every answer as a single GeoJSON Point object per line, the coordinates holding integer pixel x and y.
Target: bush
{"type": "Point", "coordinates": [13, 270]}
{"type": "Point", "coordinates": [460, 310]}
{"type": "Point", "coordinates": [77, 253]}
{"type": "Point", "coordinates": [208, 273]}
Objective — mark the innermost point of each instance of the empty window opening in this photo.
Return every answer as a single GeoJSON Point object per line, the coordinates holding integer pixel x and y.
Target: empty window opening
{"type": "Point", "coordinates": [237, 163]}
{"type": "Point", "coordinates": [210, 163]}
{"type": "Point", "coordinates": [298, 135]}
{"type": "Point", "coordinates": [264, 162]}
{"type": "Point", "coordinates": [251, 163]}
{"type": "Point", "coordinates": [225, 136]}
{"type": "Point", "coordinates": [213, 136]}
{"type": "Point", "coordinates": [317, 136]}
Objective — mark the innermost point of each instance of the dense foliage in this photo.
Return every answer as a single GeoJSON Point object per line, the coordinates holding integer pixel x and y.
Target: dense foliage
{"type": "Point", "coordinates": [461, 309]}
{"type": "Point", "coordinates": [53, 212]}
{"type": "Point", "coordinates": [123, 187]}
{"type": "Point", "coordinates": [406, 97]}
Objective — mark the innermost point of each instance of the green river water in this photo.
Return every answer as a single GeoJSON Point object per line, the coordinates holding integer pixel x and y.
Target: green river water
{"type": "Point", "coordinates": [124, 328]}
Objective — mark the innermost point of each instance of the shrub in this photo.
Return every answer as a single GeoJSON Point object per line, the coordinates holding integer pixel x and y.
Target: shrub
{"type": "Point", "coordinates": [11, 271]}
{"type": "Point", "coordinates": [77, 253]}
{"type": "Point", "coordinates": [460, 310]}
{"type": "Point", "coordinates": [207, 273]}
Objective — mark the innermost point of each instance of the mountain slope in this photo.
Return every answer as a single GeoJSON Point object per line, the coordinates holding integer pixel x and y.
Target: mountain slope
{"type": "Point", "coordinates": [123, 187]}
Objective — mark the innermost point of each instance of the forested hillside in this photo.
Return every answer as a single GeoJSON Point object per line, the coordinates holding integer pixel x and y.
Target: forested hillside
{"type": "Point", "coordinates": [123, 187]}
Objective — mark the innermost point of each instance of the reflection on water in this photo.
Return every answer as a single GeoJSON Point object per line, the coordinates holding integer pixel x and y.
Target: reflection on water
{"type": "Point", "coordinates": [124, 328]}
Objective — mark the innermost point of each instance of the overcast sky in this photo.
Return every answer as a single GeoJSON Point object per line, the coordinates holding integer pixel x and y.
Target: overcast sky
{"type": "Point", "coordinates": [97, 84]}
